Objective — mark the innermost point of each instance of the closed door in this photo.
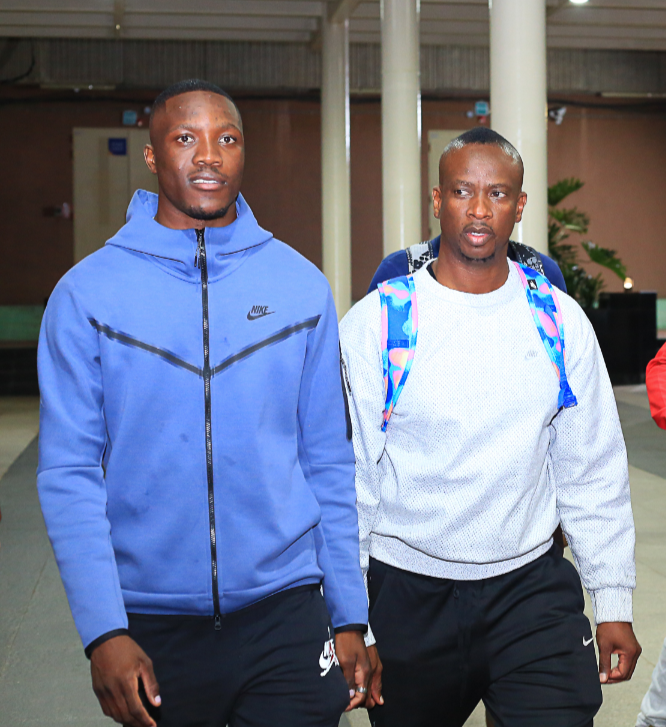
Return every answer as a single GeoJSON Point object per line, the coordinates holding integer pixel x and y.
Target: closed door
{"type": "Point", "coordinates": [108, 168]}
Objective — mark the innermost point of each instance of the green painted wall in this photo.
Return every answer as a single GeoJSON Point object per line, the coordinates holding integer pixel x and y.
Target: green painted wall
{"type": "Point", "coordinates": [21, 322]}
{"type": "Point", "coordinates": [661, 314]}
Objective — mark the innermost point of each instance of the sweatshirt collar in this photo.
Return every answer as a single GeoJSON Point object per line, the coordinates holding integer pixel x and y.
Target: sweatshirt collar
{"type": "Point", "coordinates": [511, 287]}
{"type": "Point", "coordinates": [176, 249]}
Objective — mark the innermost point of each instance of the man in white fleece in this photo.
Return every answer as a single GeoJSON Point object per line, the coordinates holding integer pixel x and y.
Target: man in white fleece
{"type": "Point", "coordinates": [458, 499]}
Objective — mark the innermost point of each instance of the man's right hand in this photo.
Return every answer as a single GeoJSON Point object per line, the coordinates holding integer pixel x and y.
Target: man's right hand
{"type": "Point", "coordinates": [375, 693]}
{"type": "Point", "coordinates": [116, 666]}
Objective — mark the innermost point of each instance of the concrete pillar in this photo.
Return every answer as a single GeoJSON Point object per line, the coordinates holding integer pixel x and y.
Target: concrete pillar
{"type": "Point", "coordinates": [335, 136]}
{"type": "Point", "coordinates": [519, 103]}
{"type": "Point", "coordinates": [401, 124]}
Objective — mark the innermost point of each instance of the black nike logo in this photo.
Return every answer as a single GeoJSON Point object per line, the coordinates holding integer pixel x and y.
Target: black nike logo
{"type": "Point", "coordinates": [259, 311]}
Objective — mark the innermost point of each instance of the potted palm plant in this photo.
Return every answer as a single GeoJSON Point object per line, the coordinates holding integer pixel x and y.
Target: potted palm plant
{"type": "Point", "coordinates": [562, 223]}
{"type": "Point", "coordinates": [625, 323]}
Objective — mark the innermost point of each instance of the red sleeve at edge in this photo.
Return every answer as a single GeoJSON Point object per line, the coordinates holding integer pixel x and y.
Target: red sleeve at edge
{"type": "Point", "coordinates": [655, 379]}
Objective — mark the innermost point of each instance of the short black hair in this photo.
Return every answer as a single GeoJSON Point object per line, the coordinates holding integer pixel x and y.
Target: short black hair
{"type": "Point", "coordinates": [484, 135]}
{"type": "Point", "coordinates": [187, 86]}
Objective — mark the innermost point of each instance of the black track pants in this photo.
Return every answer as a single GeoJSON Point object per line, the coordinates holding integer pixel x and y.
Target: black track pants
{"type": "Point", "coordinates": [268, 666]}
{"type": "Point", "coordinates": [520, 642]}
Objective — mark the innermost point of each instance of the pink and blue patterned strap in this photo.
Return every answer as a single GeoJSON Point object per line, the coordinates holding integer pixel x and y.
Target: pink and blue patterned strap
{"type": "Point", "coordinates": [399, 332]}
{"type": "Point", "coordinates": [547, 315]}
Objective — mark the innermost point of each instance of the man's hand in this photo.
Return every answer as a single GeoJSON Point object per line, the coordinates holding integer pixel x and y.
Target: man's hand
{"type": "Point", "coordinates": [353, 657]}
{"type": "Point", "coordinates": [117, 665]}
{"type": "Point", "coordinates": [617, 638]}
{"type": "Point", "coordinates": [375, 692]}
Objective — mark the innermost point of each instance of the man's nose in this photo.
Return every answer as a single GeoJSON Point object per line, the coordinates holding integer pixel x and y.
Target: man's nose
{"type": "Point", "coordinates": [208, 152]}
{"type": "Point", "coordinates": [479, 207]}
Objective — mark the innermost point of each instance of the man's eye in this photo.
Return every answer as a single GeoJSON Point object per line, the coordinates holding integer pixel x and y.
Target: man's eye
{"type": "Point", "coordinates": [497, 194]}
{"type": "Point", "coordinates": [228, 139]}
{"type": "Point", "coordinates": [185, 138]}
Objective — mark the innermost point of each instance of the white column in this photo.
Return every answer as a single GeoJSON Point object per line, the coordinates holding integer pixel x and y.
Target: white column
{"type": "Point", "coordinates": [401, 124]}
{"type": "Point", "coordinates": [335, 136]}
{"type": "Point", "coordinates": [519, 104]}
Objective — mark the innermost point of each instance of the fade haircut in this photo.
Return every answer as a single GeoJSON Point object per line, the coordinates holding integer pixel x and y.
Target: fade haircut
{"type": "Point", "coordinates": [483, 135]}
{"type": "Point", "coordinates": [187, 86]}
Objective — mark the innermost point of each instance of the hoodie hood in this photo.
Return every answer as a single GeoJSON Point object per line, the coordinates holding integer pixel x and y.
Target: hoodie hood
{"type": "Point", "coordinates": [176, 249]}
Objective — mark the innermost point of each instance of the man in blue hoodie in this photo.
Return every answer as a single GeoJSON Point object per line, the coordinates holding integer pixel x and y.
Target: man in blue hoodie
{"type": "Point", "coordinates": [196, 472]}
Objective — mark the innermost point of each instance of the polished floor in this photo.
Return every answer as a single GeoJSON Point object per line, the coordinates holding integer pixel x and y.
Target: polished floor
{"type": "Point", "coordinates": [44, 677]}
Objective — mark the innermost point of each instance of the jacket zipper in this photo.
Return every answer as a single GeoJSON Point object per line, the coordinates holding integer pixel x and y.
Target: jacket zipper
{"type": "Point", "coordinates": [200, 261]}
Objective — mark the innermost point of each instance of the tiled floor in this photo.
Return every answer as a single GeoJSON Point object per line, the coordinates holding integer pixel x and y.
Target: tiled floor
{"type": "Point", "coordinates": [44, 677]}
{"type": "Point", "coordinates": [19, 424]}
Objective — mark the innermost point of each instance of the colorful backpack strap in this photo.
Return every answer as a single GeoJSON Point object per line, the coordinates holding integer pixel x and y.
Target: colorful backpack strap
{"type": "Point", "coordinates": [399, 331]}
{"type": "Point", "coordinates": [547, 314]}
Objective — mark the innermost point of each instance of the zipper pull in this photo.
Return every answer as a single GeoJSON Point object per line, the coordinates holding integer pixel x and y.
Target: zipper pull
{"type": "Point", "coordinates": [200, 242]}
{"type": "Point", "coordinates": [218, 622]}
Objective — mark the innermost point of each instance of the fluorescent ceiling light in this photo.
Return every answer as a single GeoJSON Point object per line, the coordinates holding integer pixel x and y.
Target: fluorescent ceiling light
{"type": "Point", "coordinates": [578, 2]}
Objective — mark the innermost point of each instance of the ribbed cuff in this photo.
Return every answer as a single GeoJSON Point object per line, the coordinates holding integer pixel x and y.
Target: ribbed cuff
{"type": "Point", "coordinates": [369, 637]}
{"type": "Point", "coordinates": [351, 627]}
{"type": "Point", "coordinates": [612, 605]}
{"type": "Point", "coordinates": [104, 637]}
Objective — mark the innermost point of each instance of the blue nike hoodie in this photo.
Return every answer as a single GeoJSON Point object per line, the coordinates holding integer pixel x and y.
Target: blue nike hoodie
{"type": "Point", "coordinates": [194, 449]}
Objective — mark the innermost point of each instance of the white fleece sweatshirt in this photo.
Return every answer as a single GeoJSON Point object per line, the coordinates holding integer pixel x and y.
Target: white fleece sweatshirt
{"type": "Point", "coordinates": [477, 466]}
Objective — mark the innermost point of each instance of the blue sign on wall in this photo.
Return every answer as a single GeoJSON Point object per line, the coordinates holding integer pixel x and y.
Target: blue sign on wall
{"type": "Point", "coordinates": [130, 117]}
{"type": "Point", "coordinates": [481, 108]}
{"type": "Point", "coordinates": [118, 147]}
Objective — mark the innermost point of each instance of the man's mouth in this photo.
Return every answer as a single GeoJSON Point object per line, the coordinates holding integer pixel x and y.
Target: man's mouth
{"type": "Point", "coordinates": [207, 181]}
{"type": "Point", "coordinates": [478, 236]}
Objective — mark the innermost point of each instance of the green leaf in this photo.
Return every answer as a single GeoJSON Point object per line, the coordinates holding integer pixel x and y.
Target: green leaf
{"type": "Point", "coordinates": [571, 218]}
{"type": "Point", "coordinates": [607, 258]}
{"type": "Point", "coordinates": [558, 191]}
{"type": "Point", "coordinates": [562, 223]}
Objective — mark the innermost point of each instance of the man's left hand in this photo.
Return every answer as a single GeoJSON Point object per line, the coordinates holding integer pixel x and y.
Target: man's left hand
{"type": "Point", "coordinates": [617, 638]}
{"type": "Point", "coordinates": [355, 663]}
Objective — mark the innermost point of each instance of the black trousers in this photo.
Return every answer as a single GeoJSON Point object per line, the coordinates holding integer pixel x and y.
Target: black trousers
{"type": "Point", "coordinates": [270, 665]}
{"type": "Point", "coordinates": [520, 642]}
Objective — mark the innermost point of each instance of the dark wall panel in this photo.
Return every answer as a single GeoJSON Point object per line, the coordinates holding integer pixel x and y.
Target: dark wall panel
{"type": "Point", "coordinates": [282, 181]}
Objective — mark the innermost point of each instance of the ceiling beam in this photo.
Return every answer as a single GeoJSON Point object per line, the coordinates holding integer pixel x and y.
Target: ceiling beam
{"type": "Point", "coordinates": [443, 11]}
{"type": "Point", "coordinates": [343, 10]}
{"type": "Point", "coordinates": [632, 4]}
{"type": "Point", "coordinates": [611, 24]}
{"type": "Point", "coordinates": [339, 12]}
{"type": "Point", "coordinates": [159, 34]}
{"type": "Point", "coordinates": [155, 22]}
{"type": "Point", "coordinates": [609, 32]}
{"type": "Point", "coordinates": [267, 8]}
{"type": "Point", "coordinates": [626, 17]}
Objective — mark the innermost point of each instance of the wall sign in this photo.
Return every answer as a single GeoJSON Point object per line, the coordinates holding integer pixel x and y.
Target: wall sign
{"type": "Point", "coordinates": [118, 147]}
{"type": "Point", "coordinates": [130, 117]}
{"type": "Point", "coordinates": [481, 108]}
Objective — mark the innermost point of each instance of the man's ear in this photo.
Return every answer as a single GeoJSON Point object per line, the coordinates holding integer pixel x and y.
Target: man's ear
{"type": "Point", "coordinates": [149, 156]}
{"type": "Point", "coordinates": [437, 201]}
{"type": "Point", "coordinates": [522, 201]}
